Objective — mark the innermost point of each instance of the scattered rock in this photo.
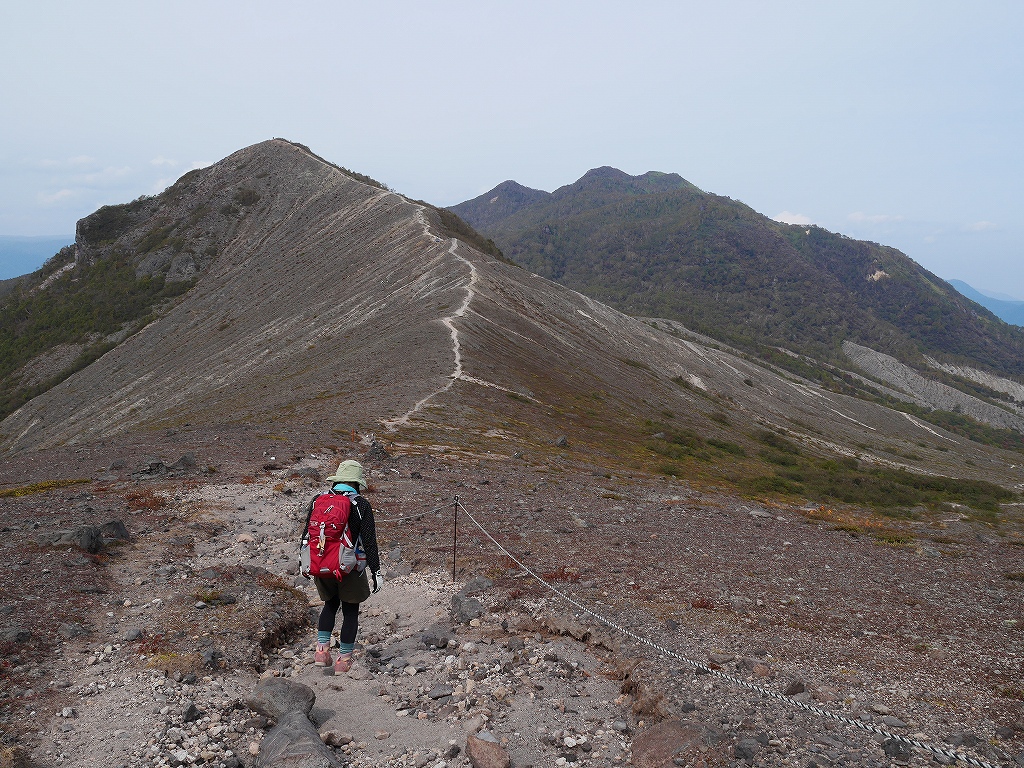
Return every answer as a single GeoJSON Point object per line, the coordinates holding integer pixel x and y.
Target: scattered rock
{"type": "Point", "coordinates": [152, 467]}
{"type": "Point", "coordinates": [86, 537]}
{"type": "Point", "coordinates": [746, 749]}
{"type": "Point", "coordinates": [562, 441]}
{"type": "Point", "coordinates": [465, 609]}
{"type": "Point", "coordinates": [476, 585]}
{"type": "Point", "coordinates": [336, 739]}
{"type": "Point", "coordinates": [115, 530]}
{"type": "Point", "coordinates": [484, 751]}
{"type": "Point", "coordinates": [70, 631]}
{"type": "Point", "coordinates": [16, 635]}
{"type": "Point", "coordinates": [897, 750]}
{"type": "Point", "coordinates": [186, 463]}
{"type": "Point", "coordinates": [795, 686]}
{"type": "Point", "coordinates": [376, 452]}
{"type": "Point", "coordinates": [567, 625]}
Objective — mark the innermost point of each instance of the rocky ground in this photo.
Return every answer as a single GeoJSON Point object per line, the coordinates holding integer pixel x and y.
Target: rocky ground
{"type": "Point", "coordinates": [145, 604]}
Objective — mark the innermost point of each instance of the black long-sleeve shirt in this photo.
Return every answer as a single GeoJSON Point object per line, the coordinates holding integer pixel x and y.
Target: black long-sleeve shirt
{"type": "Point", "coordinates": [361, 525]}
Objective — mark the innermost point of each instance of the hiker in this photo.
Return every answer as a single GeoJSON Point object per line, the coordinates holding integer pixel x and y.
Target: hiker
{"type": "Point", "coordinates": [350, 569]}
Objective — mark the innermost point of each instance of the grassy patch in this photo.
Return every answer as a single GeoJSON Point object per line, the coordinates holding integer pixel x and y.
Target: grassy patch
{"type": "Point", "coordinates": [891, 539]}
{"type": "Point", "coordinates": [891, 491]}
{"type": "Point", "coordinates": [46, 485]}
{"type": "Point", "coordinates": [851, 528]}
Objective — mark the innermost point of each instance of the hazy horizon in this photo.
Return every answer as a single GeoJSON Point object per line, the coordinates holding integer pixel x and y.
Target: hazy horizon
{"type": "Point", "coordinates": [898, 124]}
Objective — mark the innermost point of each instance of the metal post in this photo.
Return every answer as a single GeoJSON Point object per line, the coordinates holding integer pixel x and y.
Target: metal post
{"type": "Point", "coordinates": [455, 534]}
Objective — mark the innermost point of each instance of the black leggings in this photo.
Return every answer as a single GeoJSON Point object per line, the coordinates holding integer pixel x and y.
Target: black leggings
{"type": "Point", "coordinates": [349, 620]}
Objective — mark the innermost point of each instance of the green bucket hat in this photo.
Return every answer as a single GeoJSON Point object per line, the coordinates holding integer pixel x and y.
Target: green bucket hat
{"type": "Point", "coordinates": [349, 471]}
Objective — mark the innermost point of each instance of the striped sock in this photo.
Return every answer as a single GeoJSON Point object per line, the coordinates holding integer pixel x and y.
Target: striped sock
{"type": "Point", "coordinates": [346, 647]}
{"type": "Point", "coordinates": [323, 638]}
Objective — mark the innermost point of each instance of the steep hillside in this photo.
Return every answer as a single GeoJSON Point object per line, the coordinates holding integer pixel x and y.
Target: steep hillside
{"type": "Point", "coordinates": [656, 245]}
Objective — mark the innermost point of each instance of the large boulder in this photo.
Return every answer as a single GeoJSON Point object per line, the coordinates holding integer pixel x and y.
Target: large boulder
{"type": "Point", "coordinates": [275, 697]}
{"type": "Point", "coordinates": [465, 609]}
{"type": "Point", "coordinates": [295, 743]}
{"type": "Point", "coordinates": [86, 537]}
{"type": "Point", "coordinates": [484, 751]}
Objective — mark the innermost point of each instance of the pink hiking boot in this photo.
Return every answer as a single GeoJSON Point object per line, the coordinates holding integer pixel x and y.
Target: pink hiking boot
{"type": "Point", "coordinates": [343, 664]}
{"type": "Point", "coordinates": [322, 656]}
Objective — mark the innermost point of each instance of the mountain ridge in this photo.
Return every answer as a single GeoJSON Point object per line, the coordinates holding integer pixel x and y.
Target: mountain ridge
{"type": "Point", "coordinates": [721, 268]}
{"type": "Point", "coordinates": [329, 304]}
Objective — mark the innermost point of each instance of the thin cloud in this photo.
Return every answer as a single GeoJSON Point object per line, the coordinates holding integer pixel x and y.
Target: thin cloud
{"type": "Point", "coordinates": [106, 175]}
{"type": "Point", "coordinates": [56, 197]}
{"type": "Point", "coordinates": [980, 226]}
{"type": "Point", "coordinates": [197, 164]}
{"type": "Point", "coordinates": [787, 217]}
{"type": "Point", "coordinates": [48, 163]}
{"type": "Point", "coordinates": [161, 160]}
{"type": "Point", "coordinates": [859, 217]}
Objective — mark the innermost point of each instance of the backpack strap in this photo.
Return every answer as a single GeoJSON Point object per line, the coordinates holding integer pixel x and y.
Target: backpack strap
{"type": "Point", "coordinates": [309, 516]}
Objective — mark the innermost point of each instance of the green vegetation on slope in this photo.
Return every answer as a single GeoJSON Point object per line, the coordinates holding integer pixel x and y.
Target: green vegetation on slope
{"type": "Point", "coordinates": [846, 480]}
{"type": "Point", "coordinates": [656, 245]}
{"type": "Point", "coordinates": [780, 466]}
{"type": "Point", "coordinates": [81, 306]}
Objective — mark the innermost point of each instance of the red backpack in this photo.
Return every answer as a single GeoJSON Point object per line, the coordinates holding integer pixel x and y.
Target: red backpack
{"type": "Point", "coordinates": [328, 551]}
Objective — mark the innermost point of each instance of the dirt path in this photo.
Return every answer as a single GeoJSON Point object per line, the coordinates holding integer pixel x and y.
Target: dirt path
{"type": "Point", "coordinates": [200, 606]}
{"type": "Point", "coordinates": [411, 698]}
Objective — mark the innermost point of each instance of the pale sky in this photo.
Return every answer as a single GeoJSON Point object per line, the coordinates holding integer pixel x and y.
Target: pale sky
{"type": "Point", "coordinates": [900, 122]}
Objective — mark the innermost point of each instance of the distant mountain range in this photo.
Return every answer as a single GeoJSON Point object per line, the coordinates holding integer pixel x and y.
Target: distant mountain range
{"type": "Point", "coordinates": [1009, 311]}
{"type": "Point", "coordinates": [655, 245]}
{"type": "Point", "coordinates": [21, 255]}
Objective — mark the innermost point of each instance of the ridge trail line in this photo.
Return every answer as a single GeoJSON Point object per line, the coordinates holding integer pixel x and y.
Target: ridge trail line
{"type": "Point", "coordinates": [697, 665]}
{"type": "Point", "coordinates": [449, 322]}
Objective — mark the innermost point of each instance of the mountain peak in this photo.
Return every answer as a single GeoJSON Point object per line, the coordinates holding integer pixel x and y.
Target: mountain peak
{"type": "Point", "coordinates": [503, 201]}
{"type": "Point", "coordinates": [607, 178]}
{"type": "Point", "coordinates": [655, 245]}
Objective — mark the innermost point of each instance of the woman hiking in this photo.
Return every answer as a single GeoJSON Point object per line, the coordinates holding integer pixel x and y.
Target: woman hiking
{"type": "Point", "coordinates": [342, 559]}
